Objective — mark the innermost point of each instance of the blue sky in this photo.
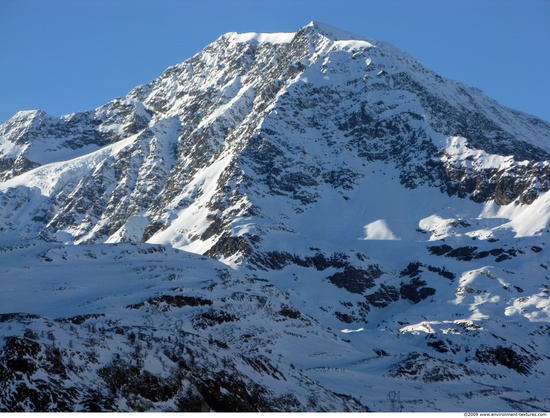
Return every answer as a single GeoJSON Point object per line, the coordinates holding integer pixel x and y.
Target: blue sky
{"type": "Point", "coordinates": [65, 56]}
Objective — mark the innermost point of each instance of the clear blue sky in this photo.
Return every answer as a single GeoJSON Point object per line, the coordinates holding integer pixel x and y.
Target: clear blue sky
{"type": "Point", "coordinates": [64, 56]}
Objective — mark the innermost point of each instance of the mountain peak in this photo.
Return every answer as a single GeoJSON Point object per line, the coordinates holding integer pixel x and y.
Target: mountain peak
{"type": "Point", "coordinates": [333, 32]}
{"type": "Point", "coordinates": [328, 31]}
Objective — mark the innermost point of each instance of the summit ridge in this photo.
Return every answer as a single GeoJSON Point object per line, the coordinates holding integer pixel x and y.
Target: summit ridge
{"type": "Point", "coordinates": [334, 33]}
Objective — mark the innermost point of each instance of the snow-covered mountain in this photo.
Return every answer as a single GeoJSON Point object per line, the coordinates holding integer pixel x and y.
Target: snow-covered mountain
{"type": "Point", "coordinates": [379, 236]}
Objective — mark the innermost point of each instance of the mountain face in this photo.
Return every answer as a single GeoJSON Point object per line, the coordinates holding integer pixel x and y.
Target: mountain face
{"type": "Point", "coordinates": [378, 234]}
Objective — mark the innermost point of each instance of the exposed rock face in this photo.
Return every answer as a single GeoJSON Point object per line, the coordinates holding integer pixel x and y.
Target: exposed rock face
{"type": "Point", "coordinates": [271, 116]}
{"type": "Point", "coordinates": [370, 205]}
